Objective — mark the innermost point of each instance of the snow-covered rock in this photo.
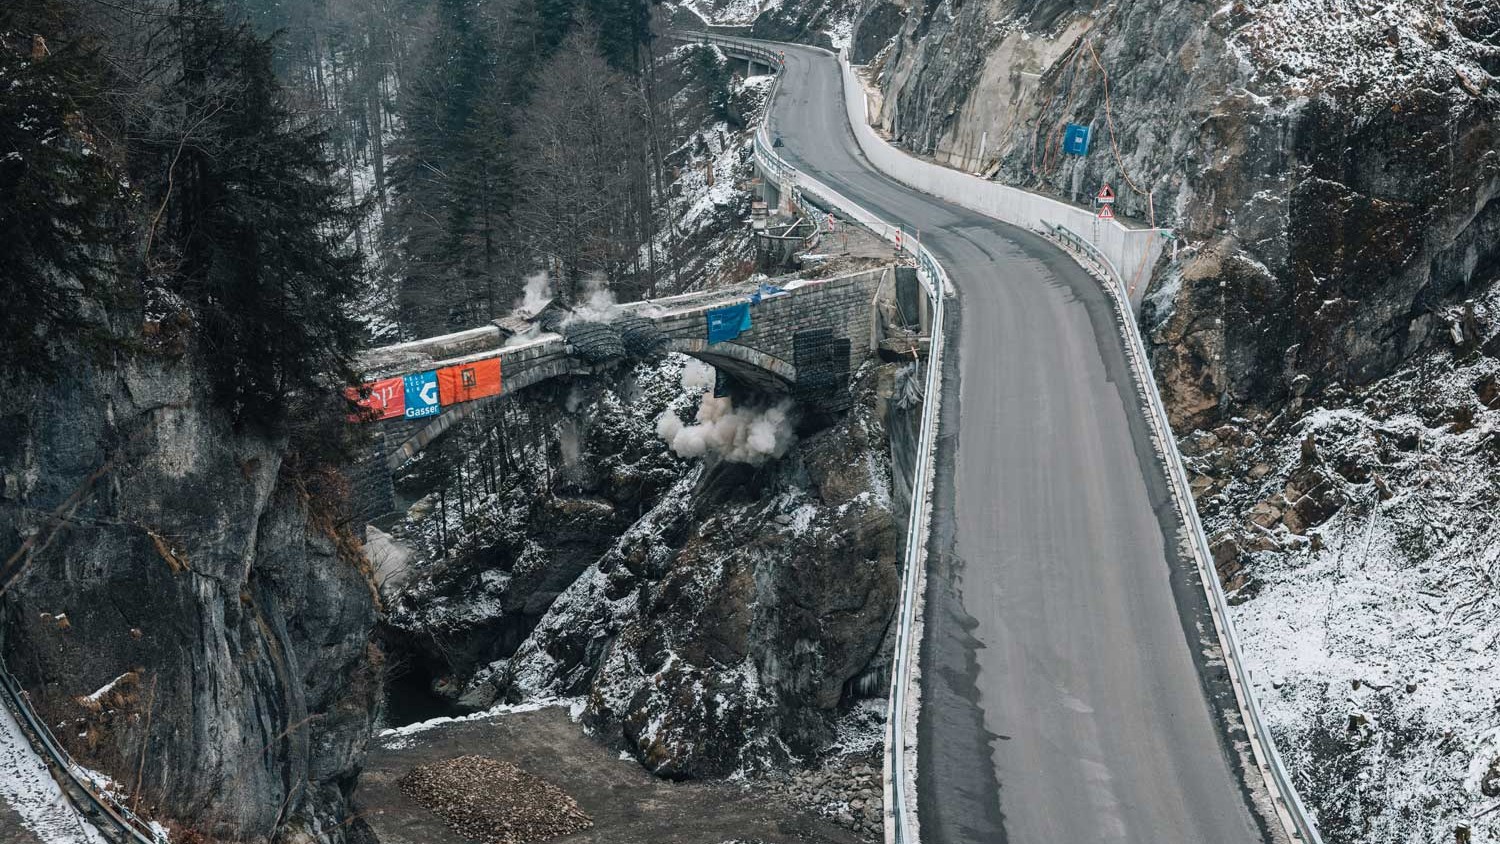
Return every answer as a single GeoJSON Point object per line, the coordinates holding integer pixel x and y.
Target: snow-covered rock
{"type": "Point", "coordinates": [1371, 620]}
{"type": "Point", "coordinates": [722, 631]}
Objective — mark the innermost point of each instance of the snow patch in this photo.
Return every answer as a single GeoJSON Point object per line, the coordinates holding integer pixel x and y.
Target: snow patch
{"type": "Point", "coordinates": [105, 689]}
{"type": "Point", "coordinates": [395, 738]}
{"type": "Point", "coordinates": [1373, 637]}
{"type": "Point", "coordinates": [1370, 52]}
{"type": "Point", "coordinates": [28, 790]}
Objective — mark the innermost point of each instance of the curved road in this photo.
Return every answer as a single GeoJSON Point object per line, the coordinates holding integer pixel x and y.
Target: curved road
{"type": "Point", "coordinates": [1064, 692]}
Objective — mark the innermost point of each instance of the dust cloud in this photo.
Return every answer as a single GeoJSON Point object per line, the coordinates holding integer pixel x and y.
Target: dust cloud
{"type": "Point", "coordinates": [538, 292]}
{"type": "Point", "coordinates": [737, 434]}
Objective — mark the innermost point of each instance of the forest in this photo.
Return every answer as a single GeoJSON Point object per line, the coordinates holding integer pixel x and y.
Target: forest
{"type": "Point", "coordinates": [492, 139]}
{"type": "Point", "coordinates": [272, 184]}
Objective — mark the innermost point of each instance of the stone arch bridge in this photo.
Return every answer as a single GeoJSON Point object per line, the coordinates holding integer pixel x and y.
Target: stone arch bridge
{"type": "Point", "coordinates": [803, 340]}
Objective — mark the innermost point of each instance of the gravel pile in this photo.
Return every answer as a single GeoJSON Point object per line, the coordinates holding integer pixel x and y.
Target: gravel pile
{"type": "Point", "coordinates": [847, 792]}
{"type": "Point", "coordinates": [493, 802]}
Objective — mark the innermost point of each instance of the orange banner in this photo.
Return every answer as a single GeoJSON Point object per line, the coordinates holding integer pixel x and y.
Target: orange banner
{"type": "Point", "coordinates": [469, 381]}
{"type": "Point", "coordinates": [382, 399]}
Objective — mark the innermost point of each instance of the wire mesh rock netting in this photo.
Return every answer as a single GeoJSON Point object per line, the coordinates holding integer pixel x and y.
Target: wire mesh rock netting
{"type": "Point", "coordinates": [643, 340]}
{"type": "Point", "coordinates": [822, 362]}
{"type": "Point", "coordinates": [595, 342]}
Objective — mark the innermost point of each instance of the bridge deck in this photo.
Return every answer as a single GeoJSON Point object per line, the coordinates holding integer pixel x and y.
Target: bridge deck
{"type": "Point", "coordinates": [679, 316]}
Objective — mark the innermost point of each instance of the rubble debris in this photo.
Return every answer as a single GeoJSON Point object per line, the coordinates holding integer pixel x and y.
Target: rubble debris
{"type": "Point", "coordinates": [494, 802]}
{"type": "Point", "coordinates": [847, 792]}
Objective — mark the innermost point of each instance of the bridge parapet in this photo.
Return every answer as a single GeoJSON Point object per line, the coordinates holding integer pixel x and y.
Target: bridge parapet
{"type": "Point", "coordinates": [844, 305]}
{"type": "Point", "coordinates": [804, 339]}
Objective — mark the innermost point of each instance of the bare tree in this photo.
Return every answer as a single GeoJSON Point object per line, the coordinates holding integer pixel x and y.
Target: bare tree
{"type": "Point", "coordinates": [583, 168]}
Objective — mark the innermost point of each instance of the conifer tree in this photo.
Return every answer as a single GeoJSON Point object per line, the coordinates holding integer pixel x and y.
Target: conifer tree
{"type": "Point", "coordinates": [251, 228]}
{"type": "Point", "coordinates": [59, 195]}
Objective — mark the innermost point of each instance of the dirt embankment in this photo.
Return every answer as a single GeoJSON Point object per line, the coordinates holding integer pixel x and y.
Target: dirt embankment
{"type": "Point", "coordinates": [625, 802]}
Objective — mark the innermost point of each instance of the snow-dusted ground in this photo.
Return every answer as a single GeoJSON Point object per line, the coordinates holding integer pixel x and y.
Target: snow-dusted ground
{"type": "Point", "coordinates": [1368, 51]}
{"type": "Point", "coordinates": [730, 12]}
{"type": "Point", "coordinates": [1372, 633]}
{"type": "Point", "coordinates": [707, 224]}
{"type": "Point", "coordinates": [841, 32]}
{"type": "Point", "coordinates": [28, 790]}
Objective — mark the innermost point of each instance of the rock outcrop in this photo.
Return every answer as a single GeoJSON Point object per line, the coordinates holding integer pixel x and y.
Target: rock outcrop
{"type": "Point", "coordinates": [190, 618]}
{"type": "Point", "coordinates": [1359, 538]}
{"type": "Point", "coordinates": [581, 463]}
{"type": "Point", "coordinates": [1322, 332]}
{"type": "Point", "coordinates": [1331, 172]}
{"type": "Point", "coordinates": [730, 611]}
{"type": "Point", "coordinates": [724, 631]}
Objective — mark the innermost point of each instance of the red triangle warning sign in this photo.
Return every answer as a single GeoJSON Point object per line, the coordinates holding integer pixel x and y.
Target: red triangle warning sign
{"type": "Point", "coordinates": [1106, 212]}
{"type": "Point", "coordinates": [1106, 195]}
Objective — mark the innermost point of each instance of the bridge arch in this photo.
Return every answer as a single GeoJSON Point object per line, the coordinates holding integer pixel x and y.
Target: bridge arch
{"type": "Point", "coordinates": [424, 436]}
{"type": "Point", "coordinates": [762, 359]}
{"type": "Point", "coordinates": [751, 366]}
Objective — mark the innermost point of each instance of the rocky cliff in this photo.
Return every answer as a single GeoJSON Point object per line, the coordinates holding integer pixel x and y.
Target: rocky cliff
{"type": "Point", "coordinates": [1322, 331]}
{"type": "Point", "coordinates": [726, 629]}
{"type": "Point", "coordinates": [1330, 170]}
{"type": "Point", "coordinates": [1359, 536]}
{"type": "Point", "coordinates": [185, 611]}
{"type": "Point", "coordinates": [714, 615]}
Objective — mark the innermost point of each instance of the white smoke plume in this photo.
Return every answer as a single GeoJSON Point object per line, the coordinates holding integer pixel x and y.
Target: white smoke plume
{"type": "Point", "coordinates": [739, 435]}
{"type": "Point", "coordinates": [567, 439]}
{"type": "Point", "coordinates": [597, 302]}
{"type": "Point", "coordinates": [538, 292]}
{"type": "Point", "coordinates": [697, 376]}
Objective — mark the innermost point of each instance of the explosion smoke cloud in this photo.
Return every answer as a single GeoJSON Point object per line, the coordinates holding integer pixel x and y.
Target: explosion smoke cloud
{"type": "Point", "coordinates": [740, 435]}
{"type": "Point", "coordinates": [536, 295]}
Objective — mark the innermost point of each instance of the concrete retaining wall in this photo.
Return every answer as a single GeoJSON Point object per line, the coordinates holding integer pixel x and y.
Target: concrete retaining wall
{"type": "Point", "coordinates": [1131, 253]}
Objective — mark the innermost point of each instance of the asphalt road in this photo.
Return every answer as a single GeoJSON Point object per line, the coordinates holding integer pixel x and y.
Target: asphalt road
{"type": "Point", "coordinates": [1062, 700]}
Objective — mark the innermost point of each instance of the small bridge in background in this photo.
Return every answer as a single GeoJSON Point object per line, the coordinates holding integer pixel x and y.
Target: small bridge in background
{"type": "Point", "coordinates": [803, 339]}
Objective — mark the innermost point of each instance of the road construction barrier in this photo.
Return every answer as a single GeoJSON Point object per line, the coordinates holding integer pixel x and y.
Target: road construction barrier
{"type": "Point", "coordinates": [1128, 254]}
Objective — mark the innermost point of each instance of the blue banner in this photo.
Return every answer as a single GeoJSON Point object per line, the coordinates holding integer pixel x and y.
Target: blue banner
{"type": "Point", "coordinates": [422, 395]}
{"type": "Point", "coordinates": [724, 323]}
{"type": "Point", "coordinates": [763, 291]}
{"type": "Point", "coordinates": [1076, 139]}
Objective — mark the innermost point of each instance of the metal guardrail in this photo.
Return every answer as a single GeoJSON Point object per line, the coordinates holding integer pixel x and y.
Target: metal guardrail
{"type": "Point", "coordinates": [1294, 816]}
{"type": "Point", "coordinates": [901, 821]}
{"type": "Point", "coordinates": [1080, 243]}
{"type": "Point", "coordinates": [901, 818]}
{"type": "Point", "coordinates": [114, 821]}
{"type": "Point", "coordinates": [1298, 822]}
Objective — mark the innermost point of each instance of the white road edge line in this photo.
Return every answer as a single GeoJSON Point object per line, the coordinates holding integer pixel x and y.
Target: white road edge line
{"type": "Point", "coordinates": [901, 825]}
{"type": "Point", "coordinates": [1296, 822]}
